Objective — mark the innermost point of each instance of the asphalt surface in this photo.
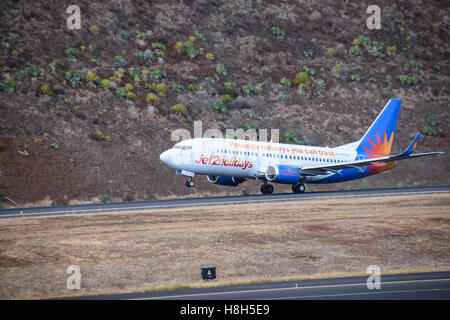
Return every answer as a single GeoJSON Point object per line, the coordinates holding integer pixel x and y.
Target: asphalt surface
{"type": "Point", "coordinates": [174, 203]}
{"type": "Point", "coordinates": [423, 286]}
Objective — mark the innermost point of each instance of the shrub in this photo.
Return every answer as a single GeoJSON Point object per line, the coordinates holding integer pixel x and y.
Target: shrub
{"type": "Point", "coordinates": [309, 71]}
{"type": "Point", "coordinates": [32, 71]}
{"type": "Point", "coordinates": [158, 74]}
{"type": "Point", "coordinates": [291, 137]}
{"type": "Point", "coordinates": [201, 36]}
{"type": "Point", "coordinates": [9, 85]}
{"type": "Point", "coordinates": [177, 88]}
{"type": "Point", "coordinates": [120, 61]}
{"type": "Point", "coordinates": [330, 51]}
{"type": "Point", "coordinates": [356, 51]}
{"type": "Point", "coordinates": [221, 71]}
{"type": "Point", "coordinates": [178, 109]}
{"type": "Point", "coordinates": [226, 98]}
{"type": "Point", "coordinates": [67, 101]}
{"type": "Point", "coordinates": [179, 46]}
{"type": "Point", "coordinates": [45, 89]}
{"type": "Point", "coordinates": [190, 50]}
{"type": "Point", "coordinates": [71, 52]}
{"type": "Point", "coordinates": [302, 79]}
{"type": "Point", "coordinates": [160, 88]}
{"type": "Point", "coordinates": [286, 82]}
{"type": "Point", "coordinates": [15, 53]}
{"type": "Point", "coordinates": [308, 53]}
{"type": "Point", "coordinates": [355, 77]}
{"type": "Point", "coordinates": [249, 89]}
{"type": "Point", "coordinates": [158, 45]}
{"type": "Point", "coordinates": [408, 80]}
{"type": "Point", "coordinates": [319, 84]}
{"type": "Point", "coordinates": [141, 36]}
{"type": "Point", "coordinates": [121, 92]}
{"type": "Point", "coordinates": [432, 121]}
{"type": "Point", "coordinates": [436, 67]}
{"type": "Point", "coordinates": [91, 77]}
{"type": "Point", "coordinates": [104, 198]}
{"type": "Point", "coordinates": [278, 31]}
{"type": "Point", "coordinates": [94, 29]}
{"type": "Point", "coordinates": [73, 77]}
{"type": "Point", "coordinates": [372, 79]}
{"type": "Point", "coordinates": [229, 85]}
{"type": "Point", "coordinates": [392, 49]}
{"type": "Point", "coordinates": [428, 131]}
{"type": "Point", "coordinates": [124, 34]}
{"type": "Point", "coordinates": [131, 96]}
{"type": "Point", "coordinates": [106, 83]}
{"type": "Point", "coordinates": [219, 107]}
{"type": "Point", "coordinates": [129, 86]}
{"type": "Point", "coordinates": [209, 56]}
{"type": "Point", "coordinates": [152, 99]}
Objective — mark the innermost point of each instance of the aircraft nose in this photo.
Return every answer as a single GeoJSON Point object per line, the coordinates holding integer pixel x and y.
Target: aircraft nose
{"type": "Point", "coordinates": [164, 157]}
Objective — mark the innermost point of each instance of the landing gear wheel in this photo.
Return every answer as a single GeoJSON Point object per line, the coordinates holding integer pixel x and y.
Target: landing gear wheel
{"type": "Point", "coordinates": [190, 183]}
{"type": "Point", "coordinates": [299, 188]}
{"type": "Point", "coordinates": [267, 189]}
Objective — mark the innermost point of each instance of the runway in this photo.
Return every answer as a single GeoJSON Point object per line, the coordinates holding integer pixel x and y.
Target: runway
{"type": "Point", "coordinates": [186, 202]}
{"type": "Point", "coordinates": [435, 286]}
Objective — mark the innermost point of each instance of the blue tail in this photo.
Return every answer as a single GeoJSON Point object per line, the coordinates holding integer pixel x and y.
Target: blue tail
{"type": "Point", "coordinates": [377, 141]}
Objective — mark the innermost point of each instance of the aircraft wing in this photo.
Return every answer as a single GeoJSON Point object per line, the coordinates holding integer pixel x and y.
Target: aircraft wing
{"type": "Point", "coordinates": [358, 164]}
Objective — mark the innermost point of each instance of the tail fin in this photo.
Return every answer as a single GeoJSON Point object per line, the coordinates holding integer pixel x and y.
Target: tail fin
{"type": "Point", "coordinates": [377, 141]}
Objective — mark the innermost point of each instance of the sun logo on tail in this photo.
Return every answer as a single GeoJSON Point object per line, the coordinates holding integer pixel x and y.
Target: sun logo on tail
{"type": "Point", "coordinates": [380, 149]}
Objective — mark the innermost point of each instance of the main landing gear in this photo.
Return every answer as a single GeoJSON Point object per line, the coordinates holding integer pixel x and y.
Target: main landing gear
{"type": "Point", "coordinates": [266, 188]}
{"type": "Point", "coordinates": [298, 188]}
{"type": "Point", "coordinates": [190, 183]}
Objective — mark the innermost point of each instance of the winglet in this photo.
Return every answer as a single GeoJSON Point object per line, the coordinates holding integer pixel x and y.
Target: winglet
{"type": "Point", "coordinates": [411, 147]}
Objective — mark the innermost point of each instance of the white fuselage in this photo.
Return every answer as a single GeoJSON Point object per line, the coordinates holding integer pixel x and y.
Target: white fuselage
{"type": "Point", "coordinates": [247, 159]}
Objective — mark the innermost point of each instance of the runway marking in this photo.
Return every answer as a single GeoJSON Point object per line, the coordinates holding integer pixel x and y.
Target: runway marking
{"type": "Point", "coordinates": [356, 294]}
{"type": "Point", "coordinates": [288, 288]}
{"type": "Point", "coordinates": [231, 202]}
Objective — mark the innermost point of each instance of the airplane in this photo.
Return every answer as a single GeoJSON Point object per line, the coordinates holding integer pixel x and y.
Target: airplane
{"type": "Point", "coordinates": [229, 162]}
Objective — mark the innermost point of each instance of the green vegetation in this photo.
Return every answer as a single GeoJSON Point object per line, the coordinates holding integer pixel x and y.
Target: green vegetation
{"type": "Point", "coordinates": [219, 107]}
{"type": "Point", "coordinates": [120, 61]}
{"type": "Point", "coordinates": [428, 131]}
{"type": "Point", "coordinates": [226, 98]}
{"type": "Point", "coordinates": [71, 52]}
{"type": "Point", "coordinates": [291, 137]}
{"type": "Point", "coordinates": [308, 53]}
{"type": "Point", "coordinates": [106, 83]}
{"type": "Point", "coordinates": [302, 79]}
{"type": "Point", "coordinates": [356, 51]}
{"type": "Point", "coordinates": [94, 29]}
{"type": "Point", "coordinates": [355, 77]}
{"type": "Point", "coordinates": [319, 84]}
{"type": "Point", "coordinates": [278, 31]}
{"type": "Point", "coordinates": [124, 34]}
{"type": "Point", "coordinates": [309, 71]}
{"type": "Point", "coordinates": [104, 198]}
{"type": "Point", "coordinates": [92, 77]}
{"type": "Point", "coordinates": [158, 74]}
{"type": "Point", "coordinates": [45, 89]}
{"type": "Point", "coordinates": [152, 99]}
{"type": "Point", "coordinates": [32, 71]}
{"type": "Point", "coordinates": [121, 92]}
{"type": "Point", "coordinates": [160, 88]}
{"type": "Point", "coordinates": [178, 109]}
{"type": "Point", "coordinates": [177, 88]}
{"type": "Point", "coordinates": [221, 71]}
{"type": "Point", "coordinates": [245, 69]}
{"type": "Point", "coordinates": [408, 80]}
{"type": "Point", "coordinates": [286, 82]}
{"type": "Point", "coordinates": [73, 77]}
{"type": "Point", "coordinates": [432, 121]}
{"type": "Point", "coordinates": [249, 89]}
{"type": "Point", "coordinates": [201, 36]}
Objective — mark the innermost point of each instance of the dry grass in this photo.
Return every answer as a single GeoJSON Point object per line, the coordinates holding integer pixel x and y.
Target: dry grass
{"type": "Point", "coordinates": [154, 249]}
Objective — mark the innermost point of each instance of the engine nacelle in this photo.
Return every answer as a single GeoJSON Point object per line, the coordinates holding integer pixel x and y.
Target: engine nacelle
{"type": "Point", "coordinates": [283, 174]}
{"type": "Point", "coordinates": [225, 181]}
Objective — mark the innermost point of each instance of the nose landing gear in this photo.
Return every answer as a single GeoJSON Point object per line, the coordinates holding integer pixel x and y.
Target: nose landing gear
{"type": "Point", "coordinates": [190, 183]}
